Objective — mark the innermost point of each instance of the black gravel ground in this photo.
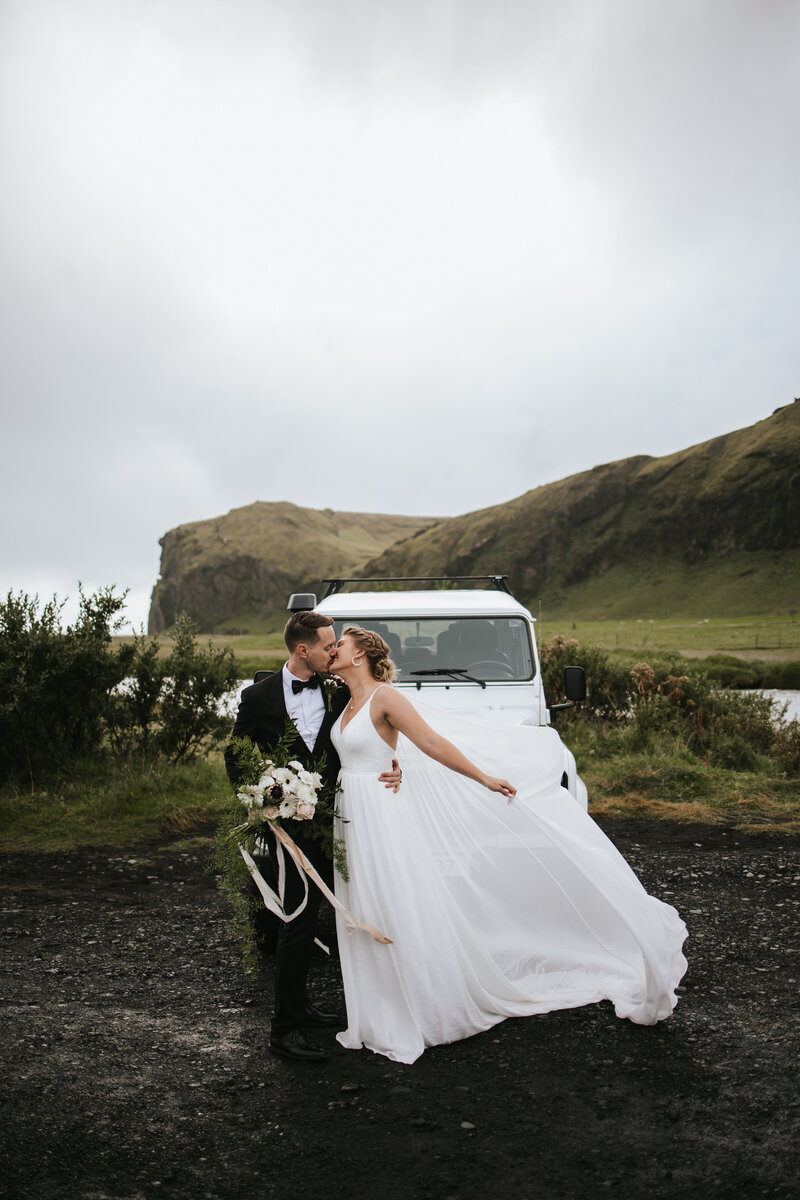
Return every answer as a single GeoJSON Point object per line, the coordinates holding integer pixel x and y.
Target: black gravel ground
{"type": "Point", "coordinates": [135, 1061]}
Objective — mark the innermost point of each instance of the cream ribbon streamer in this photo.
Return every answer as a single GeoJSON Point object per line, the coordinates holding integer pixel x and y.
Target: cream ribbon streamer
{"type": "Point", "coordinates": [275, 902]}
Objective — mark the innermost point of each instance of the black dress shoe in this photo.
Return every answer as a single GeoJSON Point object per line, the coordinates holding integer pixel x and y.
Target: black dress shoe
{"type": "Point", "coordinates": [313, 1016]}
{"type": "Point", "coordinates": [295, 1045]}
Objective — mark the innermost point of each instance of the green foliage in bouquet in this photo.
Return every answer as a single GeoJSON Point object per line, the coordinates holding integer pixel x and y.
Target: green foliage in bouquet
{"type": "Point", "coordinates": [234, 880]}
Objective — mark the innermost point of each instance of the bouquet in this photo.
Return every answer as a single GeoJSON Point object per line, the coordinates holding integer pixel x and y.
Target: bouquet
{"type": "Point", "coordinates": [280, 788]}
{"type": "Point", "coordinates": [289, 792]}
{"type": "Point", "coordinates": [271, 790]}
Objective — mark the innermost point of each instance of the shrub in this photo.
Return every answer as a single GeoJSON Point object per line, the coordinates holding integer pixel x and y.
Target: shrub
{"type": "Point", "coordinates": [133, 707]}
{"type": "Point", "coordinates": [66, 695]}
{"type": "Point", "coordinates": [784, 675]}
{"type": "Point", "coordinates": [609, 688]}
{"type": "Point", "coordinates": [170, 707]}
{"type": "Point", "coordinates": [786, 748]}
{"type": "Point", "coordinates": [195, 680]}
{"type": "Point", "coordinates": [639, 707]}
{"type": "Point", "coordinates": [732, 672]}
{"type": "Point", "coordinates": [54, 682]}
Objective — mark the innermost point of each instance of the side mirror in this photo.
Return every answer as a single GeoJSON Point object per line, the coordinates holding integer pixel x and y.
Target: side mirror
{"type": "Point", "coordinates": [575, 683]}
{"type": "Point", "coordinates": [302, 602]}
{"type": "Point", "coordinates": [574, 690]}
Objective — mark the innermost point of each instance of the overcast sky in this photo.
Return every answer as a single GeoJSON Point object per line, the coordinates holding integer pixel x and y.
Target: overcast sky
{"type": "Point", "coordinates": [411, 256]}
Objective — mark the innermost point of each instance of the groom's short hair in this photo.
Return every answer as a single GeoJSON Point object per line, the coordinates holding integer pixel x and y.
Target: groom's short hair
{"type": "Point", "coordinates": [304, 627]}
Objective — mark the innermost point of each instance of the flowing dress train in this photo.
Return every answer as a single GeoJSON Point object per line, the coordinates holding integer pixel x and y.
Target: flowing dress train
{"type": "Point", "coordinates": [495, 910]}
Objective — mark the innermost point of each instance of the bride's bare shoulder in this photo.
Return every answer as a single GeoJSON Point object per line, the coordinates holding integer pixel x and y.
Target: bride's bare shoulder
{"type": "Point", "coordinates": [395, 705]}
{"type": "Point", "coordinates": [387, 693]}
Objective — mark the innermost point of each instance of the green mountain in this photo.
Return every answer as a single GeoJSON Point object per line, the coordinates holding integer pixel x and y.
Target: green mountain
{"type": "Point", "coordinates": [712, 530]}
{"type": "Point", "coordinates": [709, 531]}
{"type": "Point", "coordinates": [233, 572]}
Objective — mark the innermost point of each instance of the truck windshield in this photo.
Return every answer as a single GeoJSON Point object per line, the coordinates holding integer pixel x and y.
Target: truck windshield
{"type": "Point", "coordinates": [488, 648]}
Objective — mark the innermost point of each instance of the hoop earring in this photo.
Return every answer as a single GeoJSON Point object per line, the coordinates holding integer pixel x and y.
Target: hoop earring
{"type": "Point", "coordinates": [360, 661]}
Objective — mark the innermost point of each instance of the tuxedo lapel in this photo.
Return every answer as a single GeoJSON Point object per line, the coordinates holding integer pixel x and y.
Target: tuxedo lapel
{"type": "Point", "coordinates": [279, 717]}
{"type": "Point", "coordinates": [276, 716]}
{"type": "Point", "coordinates": [276, 696]}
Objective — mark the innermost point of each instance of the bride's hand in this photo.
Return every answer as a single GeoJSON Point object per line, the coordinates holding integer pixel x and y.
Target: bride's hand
{"type": "Point", "coordinates": [500, 785]}
{"type": "Point", "coordinates": [392, 779]}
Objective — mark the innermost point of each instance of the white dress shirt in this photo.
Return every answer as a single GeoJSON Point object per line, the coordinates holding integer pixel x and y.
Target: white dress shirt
{"type": "Point", "coordinates": [306, 708]}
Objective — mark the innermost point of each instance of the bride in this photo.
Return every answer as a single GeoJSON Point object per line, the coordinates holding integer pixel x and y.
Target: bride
{"type": "Point", "coordinates": [499, 901]}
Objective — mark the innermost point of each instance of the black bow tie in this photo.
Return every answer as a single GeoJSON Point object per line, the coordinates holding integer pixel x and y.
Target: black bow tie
{"type": "Point", "coordinates": [299, 684]}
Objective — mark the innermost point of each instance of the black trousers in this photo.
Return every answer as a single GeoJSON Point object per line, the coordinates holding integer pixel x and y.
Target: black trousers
{"type": "Point", "coordinates": [295, 943]}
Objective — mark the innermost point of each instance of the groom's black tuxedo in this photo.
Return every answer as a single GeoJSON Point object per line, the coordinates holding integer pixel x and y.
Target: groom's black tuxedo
{"type": "Point", "coordinates": [262, 718]}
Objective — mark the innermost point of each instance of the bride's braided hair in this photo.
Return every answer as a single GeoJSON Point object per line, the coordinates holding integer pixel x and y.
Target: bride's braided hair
{"type": "Point", "coordinates": [376, 651]}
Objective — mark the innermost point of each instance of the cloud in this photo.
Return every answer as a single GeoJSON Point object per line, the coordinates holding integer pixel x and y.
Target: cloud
{"type": "Point", "coordinates": [400, 257]}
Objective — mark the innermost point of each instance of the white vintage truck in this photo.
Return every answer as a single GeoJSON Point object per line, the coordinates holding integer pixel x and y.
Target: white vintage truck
{"type": "Point", "coordinates": [469, 650]}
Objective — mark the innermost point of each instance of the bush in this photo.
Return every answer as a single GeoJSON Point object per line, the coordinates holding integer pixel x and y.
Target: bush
{"type": "Point", "coordinates": [784, 675]}
{"type": "Point", "coordinates": [195, 681]}
{"type": "Point", "coordinates": [732, 672]}
{"type": "Point", "coordinates": [609, 687]}
{"type": "Point", "coordinates": [786, 748]}
{"type": "Point", "coordinates": [731, 728]}
{"type": "Point", "coordinates": [750, 673]}
{"type": "Point", "coordinates": [66, 696]}
{"type": "Point", "coordinates": [169, 707]}
{"type": "Point", "coordinates": [672, 702]}
{"type": "Point", "coordinates": [54, 683]}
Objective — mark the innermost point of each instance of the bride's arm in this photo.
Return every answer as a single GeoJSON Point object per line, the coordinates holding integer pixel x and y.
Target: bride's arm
{"type": "Point", "coordinates": [400, 713]}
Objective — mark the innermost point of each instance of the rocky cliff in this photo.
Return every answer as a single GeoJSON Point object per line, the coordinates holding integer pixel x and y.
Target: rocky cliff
{"type": "Point", "coordinates": [233, 571]}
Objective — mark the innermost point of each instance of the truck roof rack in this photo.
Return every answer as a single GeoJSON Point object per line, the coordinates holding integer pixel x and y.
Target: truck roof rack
{"type": "Point", "coordinates": [498, 581]}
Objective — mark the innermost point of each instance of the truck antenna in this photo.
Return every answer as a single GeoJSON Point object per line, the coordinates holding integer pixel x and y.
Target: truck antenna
{"type": "Point", "coordinates": [541, 672]}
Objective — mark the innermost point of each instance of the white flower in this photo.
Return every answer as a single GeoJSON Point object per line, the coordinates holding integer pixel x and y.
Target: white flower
{"type": "Point", "coordinates": [252, 794]}
{"type": "Point", "coordinates": [310, 778]}
{"type": "Point", "coordinates": [304, 794]}
{"type": "Point", "coordinates": [282, 792]}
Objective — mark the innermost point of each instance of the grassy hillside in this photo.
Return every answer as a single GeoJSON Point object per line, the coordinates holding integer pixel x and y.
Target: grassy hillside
{"type": "Point", "coordinates": [233, 572]}
{"type": "Point", "coordinates": [712, 530]}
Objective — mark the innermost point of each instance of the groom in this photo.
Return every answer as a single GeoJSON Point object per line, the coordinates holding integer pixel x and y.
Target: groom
{"type": "Point", "coordinates": [296, 692]}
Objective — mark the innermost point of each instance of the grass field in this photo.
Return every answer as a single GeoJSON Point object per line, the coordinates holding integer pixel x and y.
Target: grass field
{"type": "Point", "coordinates": [114, 804]}
{"type": "Point", "coordinates": [763, 637]}
{"type": "Point", "coordinates": [756, 637]}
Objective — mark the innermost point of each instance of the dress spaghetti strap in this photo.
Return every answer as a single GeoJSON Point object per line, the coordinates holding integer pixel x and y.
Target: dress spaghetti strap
{"type": "Point", "coordinates": [368, 707]}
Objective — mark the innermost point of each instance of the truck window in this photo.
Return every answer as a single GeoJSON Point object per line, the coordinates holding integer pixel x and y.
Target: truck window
{"type": "Point", "coordinates": [489, 648]}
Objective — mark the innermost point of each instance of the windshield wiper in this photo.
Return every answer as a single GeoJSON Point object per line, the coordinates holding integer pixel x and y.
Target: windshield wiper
{"type": "Point", "coordinates": [453, 672]}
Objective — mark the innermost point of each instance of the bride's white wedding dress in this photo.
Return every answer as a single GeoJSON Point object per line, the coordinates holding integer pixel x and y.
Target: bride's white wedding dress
{"type": "Point", "coordinates": [495, 910]}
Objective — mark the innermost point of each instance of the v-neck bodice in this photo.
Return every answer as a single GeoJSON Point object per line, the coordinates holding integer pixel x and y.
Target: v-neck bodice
{"type": "Point", "coordinates": [361, 749]}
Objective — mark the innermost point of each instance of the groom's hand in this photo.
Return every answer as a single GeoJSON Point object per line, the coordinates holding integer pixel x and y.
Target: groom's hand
{"type": "Point", "coordinates": [392, 779]}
